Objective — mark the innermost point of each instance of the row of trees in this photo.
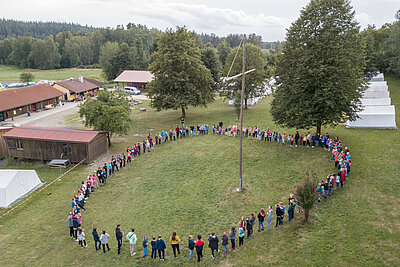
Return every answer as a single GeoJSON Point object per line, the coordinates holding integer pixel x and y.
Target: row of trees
{"type": "Point", "coordinates": [10, 28]}
{"type": "Point", "coordinates": [383, 48]}
{"type": "Point", "coordinates": [76, 49]}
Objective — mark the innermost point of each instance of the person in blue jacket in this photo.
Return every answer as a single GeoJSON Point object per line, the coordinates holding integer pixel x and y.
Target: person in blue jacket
{"type": "Point", "coordinates": [160, 245]}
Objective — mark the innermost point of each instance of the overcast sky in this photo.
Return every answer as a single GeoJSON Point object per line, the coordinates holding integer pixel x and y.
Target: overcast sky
{"type": "Point", "coordinates": [268, 18]}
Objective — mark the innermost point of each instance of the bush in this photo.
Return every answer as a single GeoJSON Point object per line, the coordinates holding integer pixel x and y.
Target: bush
{"type": "Point", "coordinates": [305, 194]}
{"type": "Point", "coordinates": [26, 77]}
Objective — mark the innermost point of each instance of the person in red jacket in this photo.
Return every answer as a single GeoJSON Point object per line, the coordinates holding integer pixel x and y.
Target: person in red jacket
{"type": "Point", "coordinates": [342, 178]}
{"type": "Point", "coordinates": [199, 248]}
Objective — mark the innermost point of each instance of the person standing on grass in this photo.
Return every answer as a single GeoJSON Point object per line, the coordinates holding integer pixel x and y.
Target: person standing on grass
{"type": "Point", "coordinates": [109, 165]}
{"type": "Point", "coordinates": [241, 235]}
{"type": "Point", "coordinates": [291, 212]}
{"type": "Point", "coordinates": [104, 240]}
{"type": "Point", "coordinates": [278, 212]}
{"type": "Point", "coordinates": [175, 240]}
{"type": "Point", "coordinates": [213, 243]}
{"type": "Point", "coordinates": [342, 178]}
{"type": "Point", "coordinates": [232, 236]}
{"type": "Point", "coordinates": [199, 248]}
{"type": "Point", "coordinates": [153, 248]}
{"type": "Point", "coordinates": [144, 244]}
{"type": "Point", "coordinates": [70, 225]}
{"type": "Point", "coordinates": [261, 216]}
{"type": "Point", "coordinates": [161, 248]}
{"type": "Point", "coordinates": [225, 243]}
{"type": "Point", "coordinates": [99, 175]}
{"type": "Point", "coordinates": [183, 123]}
{"type": "Point", "coordinates": [119, 234]}
{"type": "Point", "coordinates": [96, 239]}
{"type": "Point", "coordinates": [170, 135]}
{"type": "Point", "coordinates": [269, 218]}
{"type": "Point", "coordinates": [75, 223]}
{"type": "Point", "coordinates": [283, 212]}
{"type": "Point", "coordinates": [131, 236]}
{"type": "Point", "coordinates": [81, 237]}
{"type": "Point", "coordinates": [191, 246]}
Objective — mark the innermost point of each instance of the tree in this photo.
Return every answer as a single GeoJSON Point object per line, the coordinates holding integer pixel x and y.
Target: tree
{"type": "Point", "coordinates": [393, 49]}
{"type": "Point", "coordinates": [180, 78]}
{"type": "Point", "coordinates": [115, 58]}
{"type": "Point", "coordinates": [255, 59]}
{"type": "Point", "coordinates": [108, 112]}
{"type": "Point", "coordinates": [44, 54]}
{"type": "Point", "coordinates": [223, 51]}
{"type": "Point", "coordinates": [21, 47]}
{"type": "Point", "coordinates": [211, 61]}
{"type": "Point", "coordinates": [26, 77]}
{"type": "Point", "coordinates": [320, 71]}
{"type": "Point", "coordinates": [5, 51]}
{"type": "Point", "coordinates": [306, 195]}
{"type": "Point", "coordinates": [108, 54]}
{"type": "Point", "coordinates": [397, 15]}
{"type": "Point", "coordinates": [79, 50]}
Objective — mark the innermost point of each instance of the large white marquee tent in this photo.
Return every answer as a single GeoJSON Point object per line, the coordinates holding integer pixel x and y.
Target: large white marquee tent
{"type": "Point", "coordinates": [378, 111]}
{"type": "Point", "coordinates": [16, 184]}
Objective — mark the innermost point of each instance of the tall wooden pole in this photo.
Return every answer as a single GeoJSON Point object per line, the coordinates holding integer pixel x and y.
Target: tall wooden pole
{"type": "Point", "coordinates": [241, 112]}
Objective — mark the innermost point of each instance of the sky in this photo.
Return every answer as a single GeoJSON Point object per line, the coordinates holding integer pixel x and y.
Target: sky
{"type": "Point", "coordinates": [267, 18]}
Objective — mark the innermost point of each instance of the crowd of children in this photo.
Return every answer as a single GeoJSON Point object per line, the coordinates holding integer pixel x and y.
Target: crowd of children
{"type": "Point", "coordinates": [340, 156]}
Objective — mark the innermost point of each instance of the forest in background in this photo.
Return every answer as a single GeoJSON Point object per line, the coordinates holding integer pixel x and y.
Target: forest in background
{"type": "Point", "coordinates": [53, 45]}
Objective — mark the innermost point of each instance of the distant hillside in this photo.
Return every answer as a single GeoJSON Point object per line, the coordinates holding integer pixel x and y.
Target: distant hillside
{"type": "Point", "coordinates": [14, 28]}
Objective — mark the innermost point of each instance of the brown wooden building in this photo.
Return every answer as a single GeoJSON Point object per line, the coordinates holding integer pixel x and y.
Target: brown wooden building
{"type": "Point", "coordinates": [14, 102]}
{"type": "Point", "coordinates": [78, 89]}
{"type": "Point", "coordinates": [46, 144]}
{"type": "Point", "coordinates": [3, 144]}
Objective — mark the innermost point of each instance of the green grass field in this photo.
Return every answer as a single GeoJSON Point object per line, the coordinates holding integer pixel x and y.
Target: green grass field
{"type": "Point", "coordinates": [9, 74]}
{"type": "Point", "coordinates": [188, 186]}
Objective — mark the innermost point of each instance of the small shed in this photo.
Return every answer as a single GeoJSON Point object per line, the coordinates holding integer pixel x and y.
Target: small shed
{"type": "Point", "coordinates": [135, 78]}
{"type": "Point", "coordinates": [46, 144]}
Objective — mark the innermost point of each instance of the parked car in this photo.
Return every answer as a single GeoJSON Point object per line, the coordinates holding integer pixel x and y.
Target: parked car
{"type": "Point", "coordinates": [132, 90]}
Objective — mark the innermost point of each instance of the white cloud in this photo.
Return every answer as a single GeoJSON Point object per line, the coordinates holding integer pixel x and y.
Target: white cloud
{"type": "Point", "coordinates": [268, 18]}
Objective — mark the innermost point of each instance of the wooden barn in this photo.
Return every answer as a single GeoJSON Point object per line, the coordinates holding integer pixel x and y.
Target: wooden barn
{"type": "Point", "coordinates": [135, 78]}
{"type": "Point", "coordinates": [46, 144]}
{"type": "Point", "coordinates": [3, 144]}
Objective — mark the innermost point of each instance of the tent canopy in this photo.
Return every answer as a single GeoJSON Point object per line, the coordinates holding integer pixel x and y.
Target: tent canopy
{"type": "Point", "coordinates": [16, 184]}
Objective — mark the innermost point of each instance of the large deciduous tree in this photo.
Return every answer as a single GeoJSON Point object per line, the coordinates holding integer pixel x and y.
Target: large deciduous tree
{"type": "Point", "coordinates": [115, 58]}
{"type": "Point", "coordinates": [44, 54]}
{"type": "Point", "coordinates": [180, 77]}
{"type": "Point", "coordinates": [108, 112]}
{"type": "Point", "coordinates": [211, 61]}
{"type": "Point", "coordinates": [254, 81]}
{"type": "Point", "coordinates": [320, 70]}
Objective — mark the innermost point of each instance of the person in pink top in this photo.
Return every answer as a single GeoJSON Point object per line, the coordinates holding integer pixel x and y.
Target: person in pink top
{"type": "Point", "coordinates": [95, 183]}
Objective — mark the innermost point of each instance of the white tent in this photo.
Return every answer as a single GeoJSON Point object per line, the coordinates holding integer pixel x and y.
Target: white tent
{"type": "Point", "coordinates": [375, 102]}
{"type": "Point", "coordinates": [375, 117]}
{"type": "Point", "coordinates": [377, 109]}
{"type": "Point", "coordinates": [16, 184]}
{"type": "Point", "coordinates": [376, 94]}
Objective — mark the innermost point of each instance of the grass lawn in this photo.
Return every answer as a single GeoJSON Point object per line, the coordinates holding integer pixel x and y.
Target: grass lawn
{"type": "Point", "coordinates": [9, 74]}
{"type": "Point", "coordinates": [188, 187]}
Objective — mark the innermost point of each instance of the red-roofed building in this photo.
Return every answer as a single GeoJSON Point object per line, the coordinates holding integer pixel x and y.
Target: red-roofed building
{"type": "Point", "coordinates": [135, 78]}
{"type": "Point", "coordinates": [14, 102]}
{"type": "Point", "coordinates": [46, 144]}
